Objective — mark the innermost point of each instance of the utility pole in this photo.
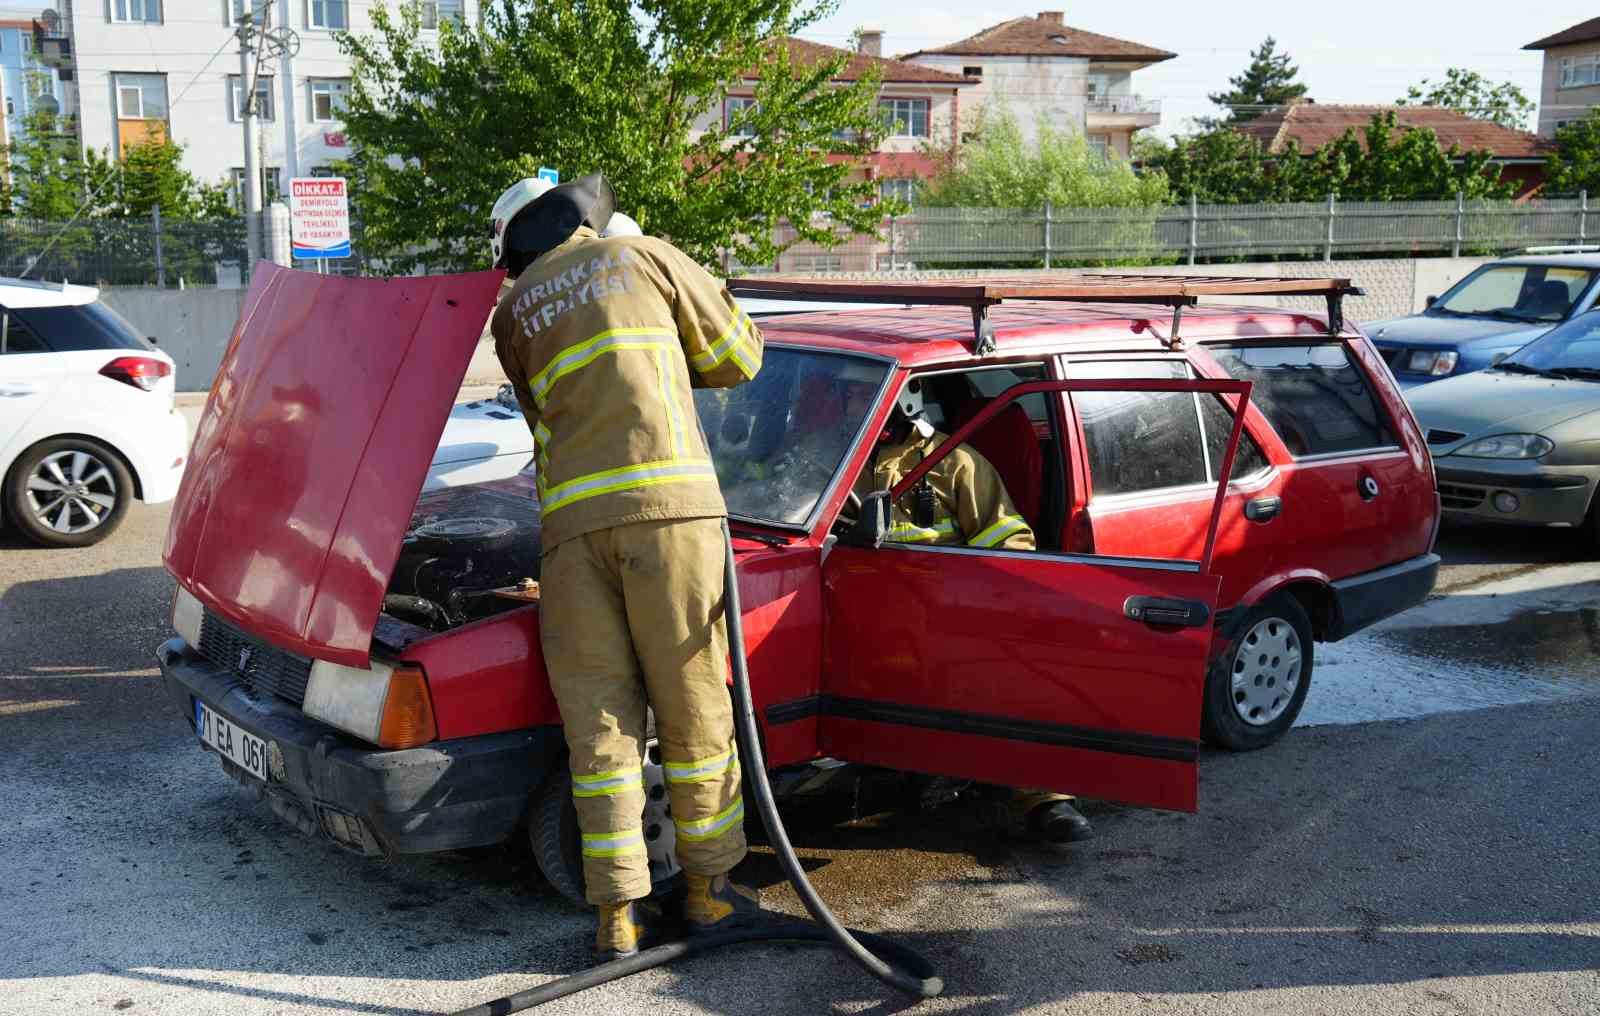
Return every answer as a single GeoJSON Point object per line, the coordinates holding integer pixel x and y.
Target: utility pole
{"type": "Point", "coordinates": [251, 196]}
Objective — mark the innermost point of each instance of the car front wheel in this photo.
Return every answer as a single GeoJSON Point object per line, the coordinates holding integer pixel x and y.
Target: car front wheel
{"type": "Point", "coordinates": [68, 492]}
{"type": "Point", "coordinates": [1257, 686]}
{"type": "Point", "coordinates": [557, 844]}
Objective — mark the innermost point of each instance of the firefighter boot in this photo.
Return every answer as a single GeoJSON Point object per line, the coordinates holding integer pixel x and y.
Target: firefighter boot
{"type": "Point", "coordinates": [1059, 822]}
{"type": "Point", "coordinates": [716, 903]}
{"type": "Point", "coordinates": [622, 931]}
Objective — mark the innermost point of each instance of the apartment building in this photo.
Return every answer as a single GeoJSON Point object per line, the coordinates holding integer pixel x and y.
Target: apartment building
{"type": "Point", "coordinates": [1570, 86]}
{"type": "Point", "coordinates": [151, 68]}
{"type": "Point", "coordinates": [27, 85]}
{"type": "Point", "coordinates": [1041, 68]}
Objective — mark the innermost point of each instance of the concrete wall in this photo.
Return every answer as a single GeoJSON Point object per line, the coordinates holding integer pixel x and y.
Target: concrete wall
{"type": "Point", "coordinates": [1054, 89]}
{"type": "Point", "coordinates": [192, 325]}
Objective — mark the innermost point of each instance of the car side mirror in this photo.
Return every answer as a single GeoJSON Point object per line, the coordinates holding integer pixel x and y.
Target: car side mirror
{"type": "Point", "coordinates": [872, 522]}
{"type": "Point", "coordinates": [1495, 362]}
{"type": "Point", "coordinates": [1430, 301]}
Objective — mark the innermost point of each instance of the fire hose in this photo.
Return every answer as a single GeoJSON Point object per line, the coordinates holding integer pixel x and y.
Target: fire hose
{"type": "Point", "coordinates": [895, 965]}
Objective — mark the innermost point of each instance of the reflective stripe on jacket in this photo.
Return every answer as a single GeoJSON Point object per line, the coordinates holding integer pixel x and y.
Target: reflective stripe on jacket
{"type": "Point", "coordinates": [971, 503]}
{"type": "Point", "coordinates": [603, 340]}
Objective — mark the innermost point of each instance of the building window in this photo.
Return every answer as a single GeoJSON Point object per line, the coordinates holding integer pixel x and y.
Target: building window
{"type": "Point", "coordinates": [972, 72]}
{"type": "Point", "coordinates": [329, 97]}
{"type": "Point", "coordinates": [1097, 85]}
{"type": "Point", "coordinates": [904, 118]}
{"type": "Point", "coordinates": [141, 96]}
{"type": "Point", "coordinates": [333, 15]}
{"type": "Point", "coordinates": [136, 10]}
{"type": "Point", "coordinates": [735, 105]}
{"type": "Point", "coordinates": [263, 97]}
{"type": "Point", "coordinates": [11, 107]}
{"type": "Point", "coordinates": [899, 188]}
{"type": "Point", "coordinates": [816, 263]}
{"type": "Point", "coordinates": [1580, 71]}
{"type": "Point", "coordinates": [434, 11]}
{"type": "Point", "coordinates": [271, 181]}
{"type": "Point", "coordinates": [259, 12]}
{"type": "Point", "coordinates": [323, 171]}
{"type": "Point", "coordinates": [1100, 145]}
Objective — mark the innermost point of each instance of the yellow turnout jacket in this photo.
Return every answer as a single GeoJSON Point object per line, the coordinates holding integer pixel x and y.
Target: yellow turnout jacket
{"type": "Point", "coordinates": [971, 504]}
{"type": "Point", "coordinates": [603, 339]}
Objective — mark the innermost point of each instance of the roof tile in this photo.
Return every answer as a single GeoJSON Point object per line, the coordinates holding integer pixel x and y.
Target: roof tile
{"type": "Point", "coordinates": [1582, 32]}
{"type": "Point", "coordinates": [1314, 125]}
{"type": "Point", "coordinates": [807, 53]}
{"type": "Point", "coordinates": [1045, 35]}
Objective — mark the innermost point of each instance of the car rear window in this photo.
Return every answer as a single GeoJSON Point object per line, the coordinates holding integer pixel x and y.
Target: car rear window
{"type": "Point", "coordinates": [1140, 441]}
{"type": "Point", "coordinates": [82, 326]}
{"type": "Point", "coordinates": [16, 336]}
{"type": "Point", "coordinates": [1314, 395]}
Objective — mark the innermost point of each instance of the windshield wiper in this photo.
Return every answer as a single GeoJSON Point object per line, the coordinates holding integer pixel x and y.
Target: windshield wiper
{"type": "Point", "coordinates": [1513, 367]}
{"type": "Point", "coordinates": [1447, 312]}
{"type": "Point", "coordinates": [1586, 373]}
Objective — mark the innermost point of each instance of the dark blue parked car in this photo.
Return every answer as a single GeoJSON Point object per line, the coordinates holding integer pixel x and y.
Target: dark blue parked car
{"type": "Point", "coordinates": [1496, 310]}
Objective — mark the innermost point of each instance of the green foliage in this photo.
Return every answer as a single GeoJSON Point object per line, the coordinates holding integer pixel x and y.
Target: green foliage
{"type": "Point", "coordinates": [999, 169]}
{"type": "Point", "coordinates": [438, 130]}
{"type": "Point", "coordinates": [1472, 94]}
{"type": "Point", "coordinates": [1576, 165]}
{"type": "Point", "coordinates": [51, 181]}
{"type": "Point", "coordinates": [1385, 162]}
{"type": "Point", "coordinates": [1269, 80]}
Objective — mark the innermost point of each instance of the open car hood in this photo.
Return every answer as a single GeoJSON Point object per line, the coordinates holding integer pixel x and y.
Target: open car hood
{"type": "Point", "coordinates": [312, 447]}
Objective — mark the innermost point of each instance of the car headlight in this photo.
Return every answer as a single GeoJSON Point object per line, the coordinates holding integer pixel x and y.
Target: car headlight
{"type": "Point", "coordinates": [187, 613]}
{"type": "Point", "coordinates": [1509, 446]}
{"type": "Point", "coordinates": [1432, 362]}
{"type": "Point", "coordinates": [387, 704]}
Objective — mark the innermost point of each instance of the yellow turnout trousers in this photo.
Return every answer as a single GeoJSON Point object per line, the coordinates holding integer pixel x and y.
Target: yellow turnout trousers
{"type": "Point", "coordinates": [631, 614]}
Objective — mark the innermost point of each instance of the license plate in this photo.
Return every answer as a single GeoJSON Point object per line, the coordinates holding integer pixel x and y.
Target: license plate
{"type": "Point", "coordinates": [245, 749]}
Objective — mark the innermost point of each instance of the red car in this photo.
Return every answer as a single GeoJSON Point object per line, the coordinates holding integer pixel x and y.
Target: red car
{"type": "Point", "coordinates": [370, 663]}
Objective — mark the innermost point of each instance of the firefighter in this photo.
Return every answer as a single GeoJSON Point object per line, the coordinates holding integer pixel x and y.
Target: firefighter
{"type": "Point", "coordinates": [961, 500]}
{"type": "Point", "coordinates": [603, 338]}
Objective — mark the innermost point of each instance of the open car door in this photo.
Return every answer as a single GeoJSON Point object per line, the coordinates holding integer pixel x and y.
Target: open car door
{"type": "Point", "coordinates": [1070, 672]}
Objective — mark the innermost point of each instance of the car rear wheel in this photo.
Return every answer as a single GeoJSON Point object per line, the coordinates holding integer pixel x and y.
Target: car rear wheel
{"type": "Point", "coordinates": [557, 846]}
{"type": "Point", "coordinates": [1257, 686]}
{"type": "Point", "coordinates": [68, 492]}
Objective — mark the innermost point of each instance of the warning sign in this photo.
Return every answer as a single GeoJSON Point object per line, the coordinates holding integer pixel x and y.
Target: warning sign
{"type": "Point", "coordinates": [319, 218]}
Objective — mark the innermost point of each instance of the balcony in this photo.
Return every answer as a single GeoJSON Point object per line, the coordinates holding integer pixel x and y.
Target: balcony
{"type": "Point", "coordinates": [1123, 111]}
{"type": "Point", "coordinates": [52, 46]}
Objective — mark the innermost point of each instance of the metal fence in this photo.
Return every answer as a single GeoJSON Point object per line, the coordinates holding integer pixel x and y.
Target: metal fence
{"type": "Point", "coordinates": [1195, 233]}
{"type": "Point", "coordinates": [155, 251]}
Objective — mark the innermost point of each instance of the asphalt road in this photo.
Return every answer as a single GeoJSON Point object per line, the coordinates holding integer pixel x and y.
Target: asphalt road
{"type": "Point", "coordinates": [1426, 844]}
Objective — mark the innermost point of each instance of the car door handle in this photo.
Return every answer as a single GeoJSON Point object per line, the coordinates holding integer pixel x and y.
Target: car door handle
{"type": "Point", "coordinates": [1159, 610]}
{"type": "Point", "coordinates": [17, 390]}
{"type": "Point", "coordinates": [1263, 509]}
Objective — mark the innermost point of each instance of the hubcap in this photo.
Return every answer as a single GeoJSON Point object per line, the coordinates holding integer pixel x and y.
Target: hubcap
{"type": "Point", "coordinates": [71, 492]}
{"type": "Point", "coordinates": [660, 835]}
{"type": "Point", "coordinates": [1266, 671]}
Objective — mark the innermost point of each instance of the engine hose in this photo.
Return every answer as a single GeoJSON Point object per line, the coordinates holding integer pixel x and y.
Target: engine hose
{"type": "Point", "coordinates": [893, 964]}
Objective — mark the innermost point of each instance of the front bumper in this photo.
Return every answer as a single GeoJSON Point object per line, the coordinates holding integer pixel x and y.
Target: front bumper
{"type": "Point", "coordinates": [1546, 495]}
{"type": "Point", "coordinates": [444, 796]}
{"type": "Point", "coordinates": [1368, 598]}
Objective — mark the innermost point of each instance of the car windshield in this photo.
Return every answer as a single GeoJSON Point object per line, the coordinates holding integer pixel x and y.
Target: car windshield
{"type": "Point", "coordinates": [1572, 349]}
{"type": "Point", "coordinates": [1517, 292]}
{"type": "Point", "coordinates": [778, 440]}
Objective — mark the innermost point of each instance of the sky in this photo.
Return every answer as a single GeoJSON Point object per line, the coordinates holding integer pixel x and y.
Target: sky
{"type": "Point", "coordinates": [1350, 51]}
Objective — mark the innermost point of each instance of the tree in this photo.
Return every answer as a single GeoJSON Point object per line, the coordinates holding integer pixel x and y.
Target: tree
{"type": "Point", "coordinates": [48, 178]}
{"type": "Point", "coordinates": [1576, 165]}
{"type": "Point", "coordinates": [439, 129]}
{"type": "Point", "coordinates": [998, 169]}
{"type": "Point", "coordinates": [1219, 166]}
{"type": "Point", "coordinates": [1268, 81]}
{"type": "Point", "coordinates": [1472, 94]}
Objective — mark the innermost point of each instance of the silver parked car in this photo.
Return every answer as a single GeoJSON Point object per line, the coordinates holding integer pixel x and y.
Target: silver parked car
{"type": "Point", "coordinates": [1520, 442]}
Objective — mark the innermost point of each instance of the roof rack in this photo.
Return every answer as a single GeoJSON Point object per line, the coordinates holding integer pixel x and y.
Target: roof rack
{"type": "Point", "coordinates": [980, 292]}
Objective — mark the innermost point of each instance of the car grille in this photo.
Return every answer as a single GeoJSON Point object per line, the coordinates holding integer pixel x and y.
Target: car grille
{"type": "Point", "coordinates": [1437, 436]}
{"type": "Point", "coordinates": [1464, 498]}
{"type": "Point", "coordinates": [265, 668]}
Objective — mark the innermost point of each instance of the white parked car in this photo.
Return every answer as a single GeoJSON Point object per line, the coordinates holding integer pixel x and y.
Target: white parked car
{"type": "Point", "coordinates": [88, 421]}
{"type": "Point", "coordinates": [489, 440]}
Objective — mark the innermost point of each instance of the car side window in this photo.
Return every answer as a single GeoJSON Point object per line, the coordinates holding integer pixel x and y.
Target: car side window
{"type": "Point", "coordinates": [17, 337]}
{"type": "Point", "coordinates": [1313, 394]}
{"type": "Point", "coordinates": [1139, 441]}
{"type": "Point", "coordinates": [1218, 422]}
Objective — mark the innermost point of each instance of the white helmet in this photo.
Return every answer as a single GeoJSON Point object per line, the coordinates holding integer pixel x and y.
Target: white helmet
{"type": "Point", "coordinates": [621, 226]}
{"type": "Point", "coordinates": [513, 200]}
{"type": "Point", "coordinates": [911, 404]}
